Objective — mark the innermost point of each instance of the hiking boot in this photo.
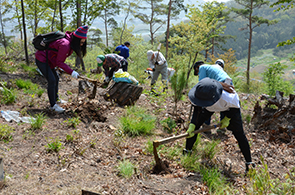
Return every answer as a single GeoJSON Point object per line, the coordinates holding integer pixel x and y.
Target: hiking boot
{"type": "Point", "coordinates": [56, 108]}
{"type": "Point", "coordinates": [249, 165]}
{"type": "Point", "coordinates": [60, 101]}
{"type": "Point", "coordinates": [186, 152]}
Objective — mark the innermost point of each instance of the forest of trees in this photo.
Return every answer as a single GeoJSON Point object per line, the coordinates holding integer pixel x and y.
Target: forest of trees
{"type": "Point", "coordinates": [211, 28]}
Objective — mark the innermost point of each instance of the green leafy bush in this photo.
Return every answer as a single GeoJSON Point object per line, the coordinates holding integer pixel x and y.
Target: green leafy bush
{"type": "Point", "coordinates": [274, 81]}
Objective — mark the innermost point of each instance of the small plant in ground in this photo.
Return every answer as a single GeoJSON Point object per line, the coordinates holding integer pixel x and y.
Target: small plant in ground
{"type": "Point", "coordinates": [5, 132]}
{"type": "Point", "coordinates": [38, 121]}
{"type": "Point", "coordinates": [69, 138]}
{"type": "Point", "coordinates": [73, 122]}
{"type": "Point", "coordinates": [126, 168]}
{"type": "Point", "coordinates": [137, 122]}
{"type": "Point", "coordinates": [261, 182]}
{"type": "Point", "coordinates": [168, 124]}
{"type": "Point", "coordinates": [209, 149]}
{"type": "Point", "coordinates": [7, 96]}
{"type": "Point", "coordinates": [54, 146]}
{"type": "Point", "coordinates": [215, 181]}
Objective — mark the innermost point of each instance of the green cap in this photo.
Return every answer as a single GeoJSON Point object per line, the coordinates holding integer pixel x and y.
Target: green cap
{"type": "Point", "coordinates": [100, 59]}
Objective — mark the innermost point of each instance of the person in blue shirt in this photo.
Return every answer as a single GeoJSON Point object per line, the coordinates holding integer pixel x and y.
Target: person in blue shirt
{"type": "Point", "coordinates": [207, 97]}
{"type": "Point", "coordinates": [123, 50]}
{"type": "Point", "coordinates": [217, 73]}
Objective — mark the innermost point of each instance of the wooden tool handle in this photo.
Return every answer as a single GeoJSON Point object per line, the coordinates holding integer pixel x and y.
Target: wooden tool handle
{"type": "Point", "coordinates": [173, 138]}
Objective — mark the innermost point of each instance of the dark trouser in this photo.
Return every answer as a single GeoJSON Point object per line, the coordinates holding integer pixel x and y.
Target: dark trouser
{"type": "Point", "coordinates": [200, 115]}
{"type": "Point", "coordinates": [207, 122]}
{"type": "Point", "coordinates": [124, 65]}
{"type": "Point", "coordinates": [52, 79]}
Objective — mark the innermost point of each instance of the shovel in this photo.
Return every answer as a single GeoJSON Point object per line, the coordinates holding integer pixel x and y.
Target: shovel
{"type": "Point", "coordinates": [96, 84]}
{"type": "Point", "coordinates": [160, 166]}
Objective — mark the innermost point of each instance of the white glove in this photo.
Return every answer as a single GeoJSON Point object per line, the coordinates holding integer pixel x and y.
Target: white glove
{"type": "Point", "coordinates": [75, 74]}
{"type": "Point", "coordinates": [107, 79]}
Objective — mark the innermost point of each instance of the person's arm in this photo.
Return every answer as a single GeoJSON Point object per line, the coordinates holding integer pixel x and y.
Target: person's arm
{"type": "Point", "coordinates": [161, 59]}
{"type": "Point", "coordinates": [60, 56]}
{"type": "Point", "coordinates": [227, 87]}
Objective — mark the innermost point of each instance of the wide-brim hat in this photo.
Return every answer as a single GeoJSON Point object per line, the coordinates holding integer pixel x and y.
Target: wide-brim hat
{"type": "Point", "coordinates": [205, 93]}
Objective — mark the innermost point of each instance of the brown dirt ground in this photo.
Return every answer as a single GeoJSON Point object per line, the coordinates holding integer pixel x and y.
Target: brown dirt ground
{"type": "Point", "coordinates": [30, 169]}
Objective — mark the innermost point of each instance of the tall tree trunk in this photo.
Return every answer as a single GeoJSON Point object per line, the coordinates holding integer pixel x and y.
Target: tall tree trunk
{"type": "Point", "coordinates": [249, 47]}
{"type": "Point", "coordinates": [212, 49]}
{"type": "Point", "coordinates": [18, 20]}
{"type": "Point", "coordinates": [35, 18]}
{"type": "Point", "coordinates": [53, 17]}
{"type": "Point", "coordinates": [106, 27]}
{"type": "Point", "coordinates": [60, 16]}
{"type": "Point", "coordinates": [191, 67]}
{"type": "Point", "coordinates": [79, 23]}
{"type": "Point", "coordinates": [3, 41]}
{"type": "Point", "coordinates": [151, 25]}
{"type": "Point", "coordinates": [25, 34]}
{"type": "Point", "coordinates": [168, 28]}
{"type": "Point", "coordinates": [124, 25]}
{"type": "Point", "coordinates": [85, 12]}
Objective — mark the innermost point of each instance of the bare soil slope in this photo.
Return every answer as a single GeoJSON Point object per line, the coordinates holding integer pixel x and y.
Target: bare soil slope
{"type": "Point", "coordinates": [90, 161]}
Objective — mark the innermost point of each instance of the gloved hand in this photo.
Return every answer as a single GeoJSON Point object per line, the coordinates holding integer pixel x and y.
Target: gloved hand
{"type": "Point", "coordinates": [154, 69]}
{"type": "Point", "coordinates": [157, 63]}
{"type": "Point", "coordinates": [107, 80]}
{"type": "Point", "coordinates": [224, 122]}
{"type": "Point", "coordinates": [191, 129]}
{"type": "Point", "coordinates": [75, 74]}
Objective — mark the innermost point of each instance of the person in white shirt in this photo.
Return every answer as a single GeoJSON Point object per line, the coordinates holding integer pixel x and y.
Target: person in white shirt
{"type": "Point", "coordinates": [159, 66]}
{"type": "Point", "coordinates": [207, 97]}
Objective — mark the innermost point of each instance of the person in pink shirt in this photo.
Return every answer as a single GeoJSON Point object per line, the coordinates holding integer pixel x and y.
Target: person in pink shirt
{"type": "Point", "coordinates": [48, 60]}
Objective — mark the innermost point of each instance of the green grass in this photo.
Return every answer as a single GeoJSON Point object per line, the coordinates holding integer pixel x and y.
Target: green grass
{"type": "Point", "coordinates": [8, 96]}
{"type": "Point", "coordinates": [29, 87]}
{"type": "Point", "coordinates": [6, 132]}
{"type": "Point", "coordinates": [38, 121]}
{"type": "Point", "coordinates": [54, 145]}
{"type": "Point", "coordinates": [136, 121]}
{"type": "Point", "coordinates": [73, 122]}
{"type": "Point", "coordinates": [126, 168]}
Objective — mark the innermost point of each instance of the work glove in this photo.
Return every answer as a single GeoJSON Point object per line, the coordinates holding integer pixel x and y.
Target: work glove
{"type": "Point", "coordinates": [190, 131]}
{"type": "Point", "coordinates": [224, 122]}
{"type": "Point", "coordinates": [156, 63]}
{"type": "Point", "coordinates": [154, 69]}
{"type": "Point", "coordinates": [106, 80]}
{"type": "Point", "coordinates": [75, 74]}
